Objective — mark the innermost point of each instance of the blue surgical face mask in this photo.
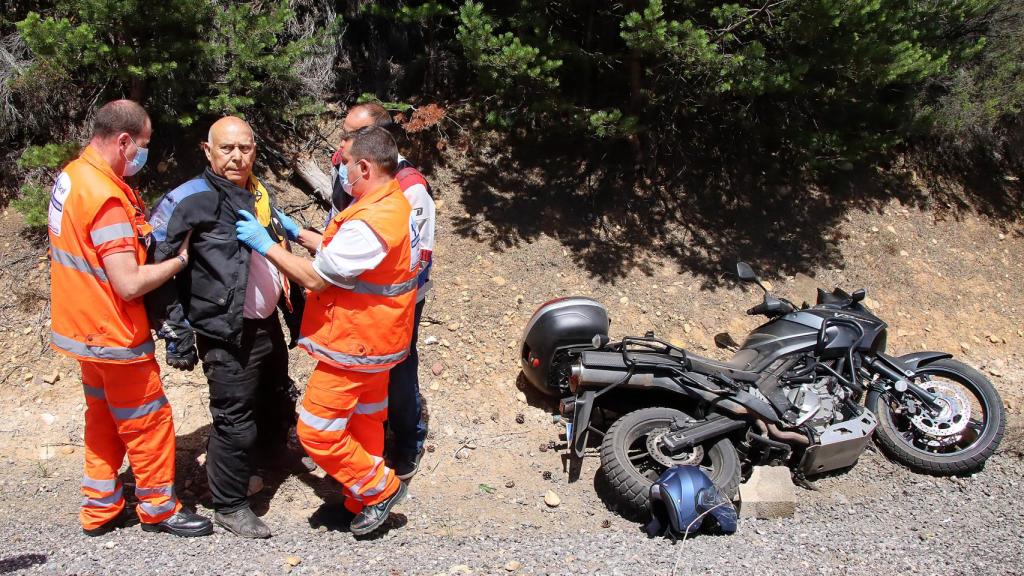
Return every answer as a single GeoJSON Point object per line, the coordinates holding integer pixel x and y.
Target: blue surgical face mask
{"type": "Point", "coordinates": [133, 166]}
{"type": "Point", "coordinates": [346, 184]}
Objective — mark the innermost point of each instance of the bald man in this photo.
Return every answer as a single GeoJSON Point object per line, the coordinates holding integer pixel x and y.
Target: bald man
{"type": "Point", "coordinates": [224, 312]}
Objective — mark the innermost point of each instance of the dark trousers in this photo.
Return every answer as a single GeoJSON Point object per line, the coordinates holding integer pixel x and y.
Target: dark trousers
{"type": "Point", "coordinates": [405, 416]}
{"type": "Point", "coordinates": [251, 402]}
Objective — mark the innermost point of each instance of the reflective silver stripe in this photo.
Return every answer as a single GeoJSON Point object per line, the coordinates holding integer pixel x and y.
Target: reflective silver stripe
{"type": "Point", "coordinates": [112, 232]}
{"type": "Point", "coordinates": [165, 490]}
{"type": "Point", "coordinates": [160, 509]}
{"type": "Point", "coordinates": [138, 411]}
{"type": "Point", "coordinates": [76, 263]}
{"type": "Point", "coordinates": [380, 485]}
{"type": "Point", "coordinates": [377, 461]}
{"type": "Point", "coordinates": [104, 502]}
{"type": "Point", "coordinates": [101, 352]}
{"type": "Point", "coordinates": [356, 362]}
{"type": "Point", "coordinates": [99, 485]}
{"type": "Point", "coordinates": [371, 408]}
{"type": "Point", "coordinates": [95, 393]}
{"type": "Point", "coordinates": [322, 424]}
{"type": "Point", "coordinates": [390, 290]}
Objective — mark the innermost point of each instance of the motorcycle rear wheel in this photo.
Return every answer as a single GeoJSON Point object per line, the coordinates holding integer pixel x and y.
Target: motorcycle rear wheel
{"type": "Point", "coordinates": [631, 470]}
{"type": "Point", "coordinates": [965, 453]}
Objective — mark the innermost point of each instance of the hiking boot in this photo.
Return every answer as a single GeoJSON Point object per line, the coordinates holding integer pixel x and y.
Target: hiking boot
{"type": "Point", "coordinates": [242, 522]}
{"type": "Point", "coordinates": [183, 523]}
{"type": "Point", "coordinates": [333, 516]}
{"type": "Point", "coordinates": [373, 516]}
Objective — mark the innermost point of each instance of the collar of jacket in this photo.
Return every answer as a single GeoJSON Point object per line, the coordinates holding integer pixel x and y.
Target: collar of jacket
{"type": "Point", "coordinates": [92, 156]}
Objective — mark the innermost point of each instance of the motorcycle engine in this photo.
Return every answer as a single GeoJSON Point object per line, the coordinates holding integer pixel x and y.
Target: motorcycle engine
{"type": "Point", "coordinates": [818, 402]}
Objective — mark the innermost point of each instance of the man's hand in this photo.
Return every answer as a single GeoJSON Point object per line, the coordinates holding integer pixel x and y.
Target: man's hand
{"type": "Point", "coordinates": [251, 233]}
{"type": "Point", "coordinates": [181, 346]}
{"type": "Point", "coordinates": [291, 229]}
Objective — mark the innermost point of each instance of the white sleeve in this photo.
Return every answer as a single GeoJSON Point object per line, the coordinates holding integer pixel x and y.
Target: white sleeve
{"type": "Point", "coordinates": [424, 213]}
{"type": "Point", "coordinates": [353, 250]}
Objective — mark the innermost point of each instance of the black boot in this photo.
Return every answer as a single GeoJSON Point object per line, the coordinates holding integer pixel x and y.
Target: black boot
{"type": "Point", "coordinates": [183, 523]}
{"type": "Point", "coordinates": [126, 518]}
{"type": "Point", "coordinates": [242, 522]}
{"type": "Point", "coordinates": [373, 516]}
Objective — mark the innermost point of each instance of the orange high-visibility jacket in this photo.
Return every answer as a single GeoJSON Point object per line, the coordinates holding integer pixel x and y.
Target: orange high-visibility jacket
{"type": "Point", "coordinates": [89, 320]}
{"type": "Point", "coordinates": [368, 328]}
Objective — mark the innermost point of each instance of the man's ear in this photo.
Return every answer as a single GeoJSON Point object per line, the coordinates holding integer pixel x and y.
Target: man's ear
{"type": "Point", "coordinates": [206, 150]}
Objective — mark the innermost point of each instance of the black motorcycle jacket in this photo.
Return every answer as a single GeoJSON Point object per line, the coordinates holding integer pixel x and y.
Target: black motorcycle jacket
{"type": "Point", "coordinates": [211, 294]}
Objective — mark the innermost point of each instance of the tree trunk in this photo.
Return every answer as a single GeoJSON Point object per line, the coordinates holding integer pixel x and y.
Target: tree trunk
{"type": "Point", "coordinates": [318, 181]}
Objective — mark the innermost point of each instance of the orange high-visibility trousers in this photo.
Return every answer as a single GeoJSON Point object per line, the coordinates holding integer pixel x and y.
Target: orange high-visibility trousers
{"type": "Point", "coordinates": [341, 426]}
{"type": "Point", "coordinates": [126, 412]}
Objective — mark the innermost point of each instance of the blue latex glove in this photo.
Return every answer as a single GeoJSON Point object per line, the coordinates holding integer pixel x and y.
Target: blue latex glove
{"type": "Point", "coordinates": [251, 233]}
{"type": "Point", "coordinates": [291, 229]}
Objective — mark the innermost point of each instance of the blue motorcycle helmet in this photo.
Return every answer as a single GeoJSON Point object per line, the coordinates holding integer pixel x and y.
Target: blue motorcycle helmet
{"type": "Point", "coordinates": [683, 500]}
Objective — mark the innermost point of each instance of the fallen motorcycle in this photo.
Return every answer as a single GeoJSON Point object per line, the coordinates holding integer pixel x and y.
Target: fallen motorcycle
{"type": "Point", "coordinates": [808, 389]}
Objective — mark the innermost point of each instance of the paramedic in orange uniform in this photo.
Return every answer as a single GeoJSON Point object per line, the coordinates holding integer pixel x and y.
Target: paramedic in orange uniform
{"type": "Point", "coordinates": [357, 323]}
{"type": "Point", "coordinates": [98, 235]}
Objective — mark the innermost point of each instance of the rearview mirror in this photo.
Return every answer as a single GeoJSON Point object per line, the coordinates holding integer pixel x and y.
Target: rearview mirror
{"type": "Point", "coordinates": [745, 272]}
{"type": "Point", "coordinates": [858, 295]}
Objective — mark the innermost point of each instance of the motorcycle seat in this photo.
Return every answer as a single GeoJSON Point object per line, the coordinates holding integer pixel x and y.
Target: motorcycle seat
{"type": "Point", "coordinates": [737, 367]}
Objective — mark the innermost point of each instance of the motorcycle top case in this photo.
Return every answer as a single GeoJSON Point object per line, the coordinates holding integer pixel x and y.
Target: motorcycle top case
{"type": "Point", "coordinates": [570, 322]}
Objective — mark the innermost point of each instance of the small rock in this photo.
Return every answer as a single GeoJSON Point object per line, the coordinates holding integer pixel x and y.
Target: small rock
{"type": "Point", "coordinates": [435, 386]}
{"type": "Point", "coordinates": [109, 544]}
{"type": "Point", "coordinates": [546, 475]}
{"type": "Point", "coordinates": [201, 459]}
{"type": "Point", "coordinates": [459, 569]}
{"type": "Point", "coordinates": [67, 450]}
{"type": "Point", "coordinates": [430, 340]}
{"type": "Point", "coordinates": [519, 299]}
{"type": "Point", "coordinates": [454, 326]}
{"type": "Point", "coordinates": [606, 523]}
{"type": "Point", "coordinates": [430, 449]}
{"type": "Point", "coordinates": [552, 499]}
{"type": "Point", "coordinates": [27, 330]}
{"type": "Point", "coordinates": [47, 418]}
{"type": "Point", "coordinates": [890, 229]}
{"type": "Point", "coordinates": [510, 484]}
{"type": "Point", "coordinates": [52, 378]}
{"type": "Point", "coordinates": [437, 368]}
{"type": "Point", "coordinates": [255, 484]}
{"type": "Point", "coordinates": [28, 376]}
{"type": "Point", "coordinates": [874, 228]}
{"type": "Point", "coordinates": [624, 300]}
{"type": "Point", "coordinates": [499, 281]}
{"type": "Point", "coordinates": [543, 447]}
{"type": "Point", "coordinates": [994, 339]}
{"type": "Point", "coordinates": [687, 328]}
{"type": "Point", "coordinates": [904, 253]}
{"type": "Point", "coordinates": [965, 347]}
{"type": "Point", "coordinates": [520, 418]}
{"type": "Point", "coordinates": [293, 560]}
{"type": "Point", "coordinates": [521, 396]}
{"type": "Point", "coordinates": [513, 565]}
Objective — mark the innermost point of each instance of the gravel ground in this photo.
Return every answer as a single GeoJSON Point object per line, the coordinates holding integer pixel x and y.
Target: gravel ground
{"type": "Point", "coordinates": [876, 519]}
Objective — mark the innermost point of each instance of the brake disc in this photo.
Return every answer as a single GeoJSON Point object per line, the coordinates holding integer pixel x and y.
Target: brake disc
{"type": "Point", "coordinates": [691, 457]}
{"type": "Point", "coordinates": [952, 419]}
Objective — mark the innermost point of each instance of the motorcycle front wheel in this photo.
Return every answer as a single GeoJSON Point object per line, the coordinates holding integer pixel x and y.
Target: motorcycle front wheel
{"type": "Point", "coordinates": [958, 439]}
{"type": "Point", "coordinates": [631, 467]}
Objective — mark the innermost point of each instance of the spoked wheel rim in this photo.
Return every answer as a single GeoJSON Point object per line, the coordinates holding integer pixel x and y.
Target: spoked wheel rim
{"type": "Point", "coordinates": [957, 427]}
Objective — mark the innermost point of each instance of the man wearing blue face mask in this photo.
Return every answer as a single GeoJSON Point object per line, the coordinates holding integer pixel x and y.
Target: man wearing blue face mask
{"type": "Point", "coordinates": [405, 410]}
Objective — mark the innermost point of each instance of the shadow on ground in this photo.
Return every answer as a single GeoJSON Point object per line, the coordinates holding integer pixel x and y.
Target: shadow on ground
{"type": "Point", "coordinates": [704, 213]}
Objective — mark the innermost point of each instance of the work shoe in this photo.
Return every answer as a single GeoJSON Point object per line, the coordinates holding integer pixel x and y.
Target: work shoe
{"type": "Point", "coordinates": [183, 523]}
{"type": "Point", "coordinates": [373, 516]}
{"type": "Point", "coordinates": [126, 517]}
{"type": "Point", "coordinates": [242, 522]}
{"type": "Point", "coordinates": [406, 468]}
